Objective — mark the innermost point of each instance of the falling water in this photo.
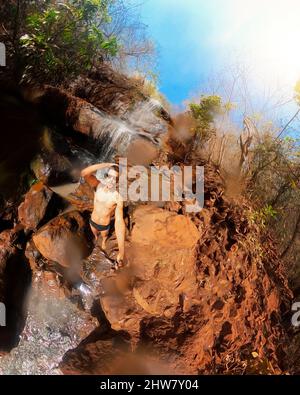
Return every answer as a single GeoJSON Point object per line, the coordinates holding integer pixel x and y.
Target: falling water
{"type": "Point", "coordinates": [144, 117]}
{"type": "Point", "coordinates": [115, 135]}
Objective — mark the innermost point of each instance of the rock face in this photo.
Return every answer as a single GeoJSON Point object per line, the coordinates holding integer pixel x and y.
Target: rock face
{"type": "Point", "coordinates": [33, 211]}
{"type": "Point", "coordinates": [161, 270]}
{"type": "Point", "coordinates": [102, 134]}
{"type": "Point", "coordinates": [109, 91]}
{"type": "Point", "coordinates": [83, 197]}
{"type": "Point", "coordinates": [197, 290]}
{"type": "Point", "coordinates": [64, 239]}
{"type": "Point", "coordinates": [59, 159]}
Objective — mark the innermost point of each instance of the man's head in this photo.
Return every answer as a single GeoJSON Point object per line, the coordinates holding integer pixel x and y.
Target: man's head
{"type": "Point", "coordinates": [109, 176]}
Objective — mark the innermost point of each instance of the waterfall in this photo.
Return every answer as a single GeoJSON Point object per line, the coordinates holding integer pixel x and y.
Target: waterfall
{"type": "Point", "coordinates": [114, 135]}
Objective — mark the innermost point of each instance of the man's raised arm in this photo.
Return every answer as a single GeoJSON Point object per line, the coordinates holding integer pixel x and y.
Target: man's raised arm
{"type": "Point", "coordinates": [91, 169]}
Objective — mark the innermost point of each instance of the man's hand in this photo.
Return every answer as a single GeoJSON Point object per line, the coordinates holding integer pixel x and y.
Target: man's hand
{"type": "Point", "coordinates": [92, 169]}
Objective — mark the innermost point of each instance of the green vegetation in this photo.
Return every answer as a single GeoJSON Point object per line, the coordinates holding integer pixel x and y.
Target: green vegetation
{"type": "Point", "coordinates": [52, 41]}
{"type": "Point", "coordinates": [263, 215]}
{"type": "Point", "coordinates": [66, 39]}
{"type": "Point", "coordinates": [204, 114]}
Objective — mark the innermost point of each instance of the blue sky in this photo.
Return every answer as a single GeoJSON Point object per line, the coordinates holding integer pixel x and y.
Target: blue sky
{"type": "Point", "coordinates": [181, 32]}
{"type": "Point", "coordinates": [198, 39]}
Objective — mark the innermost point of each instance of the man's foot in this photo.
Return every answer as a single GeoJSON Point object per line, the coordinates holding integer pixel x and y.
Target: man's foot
{"type": "Point", "coordinates": [120, 264]}
{"type": "Point", "coordinates": [117, 265]}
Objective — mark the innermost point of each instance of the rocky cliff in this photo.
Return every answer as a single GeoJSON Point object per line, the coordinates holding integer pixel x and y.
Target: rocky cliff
{"type": "Point", "coordinates": [201, 293]}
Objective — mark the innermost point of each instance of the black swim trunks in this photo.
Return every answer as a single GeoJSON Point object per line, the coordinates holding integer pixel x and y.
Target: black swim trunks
{"type": "Point", "coordinates": [101, 228]}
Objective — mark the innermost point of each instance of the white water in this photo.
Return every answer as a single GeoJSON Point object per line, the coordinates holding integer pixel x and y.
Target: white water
{"type": "Point", "coordinates": [115, 135]}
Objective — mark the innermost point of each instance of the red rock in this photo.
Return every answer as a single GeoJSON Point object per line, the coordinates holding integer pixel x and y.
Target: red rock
{"type": "Point", "coordinates": [51, 168]}
{"type": "Point", "coordinates": [34, 208]}
{"type": "Point", "coordinates": [63, 240]}
{"type": "Point", "coordinates": [161, 275]}
{"type": "Point", "coordinates": [83, 197]}
{"type": "Point", "coordinates": [189, 294]}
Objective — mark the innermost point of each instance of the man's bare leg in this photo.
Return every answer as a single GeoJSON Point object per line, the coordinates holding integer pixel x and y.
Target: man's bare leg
{"type": "Point", "coordinates": [104, 235]}
{"type": "Point", "coordinates": [95, 233]}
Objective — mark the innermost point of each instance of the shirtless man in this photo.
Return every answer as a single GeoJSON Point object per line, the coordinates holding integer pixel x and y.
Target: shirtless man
{"type": "Point", "coordinates": [107, 202]}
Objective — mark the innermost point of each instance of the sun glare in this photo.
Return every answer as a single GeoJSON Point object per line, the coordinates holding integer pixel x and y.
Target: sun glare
{"type": "Point", "coordinates": [268, 32]}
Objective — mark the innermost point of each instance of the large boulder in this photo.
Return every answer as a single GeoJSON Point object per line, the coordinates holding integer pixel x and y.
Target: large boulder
{"type": "Point", "coordinates": [64, 239]}
{"type": "Point", "coordinates": [83, 196]}
{"type": "Point", "coordinates": [39, 205]}
{"type": "Point", "coordinates": [160, 276]}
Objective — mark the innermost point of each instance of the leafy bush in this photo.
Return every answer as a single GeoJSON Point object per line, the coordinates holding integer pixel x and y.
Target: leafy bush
{"type": "Point", "coordinates": [263, 215]}
{"type": "Point", "coordinates": [65, 39]}
{"type": "Point", "coordinates": [53, 41]}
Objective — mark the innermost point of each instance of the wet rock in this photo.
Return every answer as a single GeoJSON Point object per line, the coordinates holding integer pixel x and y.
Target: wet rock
{"type": "Point", "coordinates": [60, 159]}
{"type": "Point", "coordinates": [108, 90]}
{"type": "Point", "coordinates": [97, 355]}
{"type": "Point", "coordinates": [51, 168]}
{"type": "Point", "coordinates": [54, 325]}
{"type": "Point", "coordinates": [83, 197]}
{"type": "Point", "coordinates": [15, 277]}
{"type": "Point", "coordinates": [95, 268]}
{"type": "Point", "coordinates": [108, 353]}
{"type": "Point", "coordinates": [64, 239]}
{"type": "Point", "coordinates": [102, 134]}
{"type": "Point", "coordinates": [40, 204]}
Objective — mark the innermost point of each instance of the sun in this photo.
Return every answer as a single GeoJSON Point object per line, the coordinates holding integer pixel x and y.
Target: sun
{"type": "Point", "coordinates": [268, 31]}
{"type": "Point", "coordinates": [278, 54]}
